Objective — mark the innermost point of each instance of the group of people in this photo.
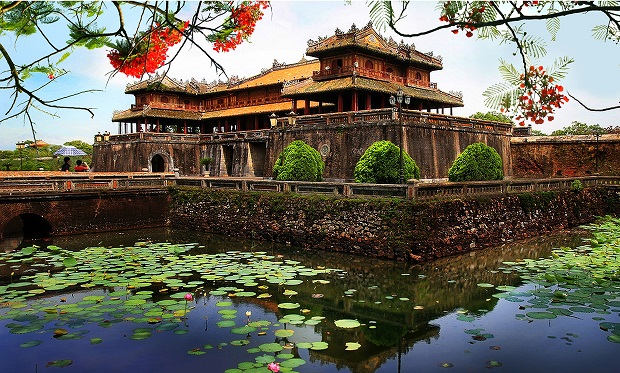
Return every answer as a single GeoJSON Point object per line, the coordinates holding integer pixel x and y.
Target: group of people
{"type": "Point", "coordinates": [80, 166]}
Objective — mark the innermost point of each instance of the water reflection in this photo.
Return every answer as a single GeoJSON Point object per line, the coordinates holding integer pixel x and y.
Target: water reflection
{"type": "Point", "coordinates": [395, 302]}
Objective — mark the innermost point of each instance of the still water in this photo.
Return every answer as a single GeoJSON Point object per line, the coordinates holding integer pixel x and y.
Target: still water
{"type": "Point", "coordinates": [405, 317]}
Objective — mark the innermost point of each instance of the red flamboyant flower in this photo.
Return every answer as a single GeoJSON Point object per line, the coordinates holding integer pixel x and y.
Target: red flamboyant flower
{"type": "Point", "coordinates": [466, 15]}
{"type": "Point", "coordinates": [540, 96]}
{"type": "Point", "coordinates": [148, 53]}
{"type": "Point", "coordinates": [241, 25]}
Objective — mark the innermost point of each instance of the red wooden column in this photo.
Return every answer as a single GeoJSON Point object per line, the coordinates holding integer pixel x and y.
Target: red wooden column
{"type": "Point", "coordinates": [256, 122]}
{"type": "Point", "coordinates": [354, 101]}
{"type": "Point", "coordinates": [368, 100]}
{"type": "Point", "coordinates": [184, 127]}
{"type": "Point", "coordinates": [340, 103]}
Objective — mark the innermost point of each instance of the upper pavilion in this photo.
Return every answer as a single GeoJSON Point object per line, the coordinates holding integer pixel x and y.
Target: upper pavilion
{"type": "Point", "coordinates": [354, 70]}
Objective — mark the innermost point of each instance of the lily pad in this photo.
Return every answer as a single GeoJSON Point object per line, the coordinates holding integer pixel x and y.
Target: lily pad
{"type": "Point", "coordinates": [289, 306]}
{"type": "Point", "coordinates": [32, 343]}
{"type": "Point", "coordinates": [59, 363]}
{"type": "Point", "coordinates": [270, 347]}
{"type": "Point", "coordinates": [347, 323]}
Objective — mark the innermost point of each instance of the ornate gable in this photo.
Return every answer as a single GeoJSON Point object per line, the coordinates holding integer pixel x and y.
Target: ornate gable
{"type": "Point", "coordinates": [368, 39]}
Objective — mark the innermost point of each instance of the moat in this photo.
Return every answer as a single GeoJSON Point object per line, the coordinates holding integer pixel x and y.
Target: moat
{"type": "Point", "coordinates": [254, 303]}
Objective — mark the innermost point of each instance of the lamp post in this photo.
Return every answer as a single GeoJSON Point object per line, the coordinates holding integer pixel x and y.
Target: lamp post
{"type": "Point", "coordinates": [106, 136]}
{"type": "Point", "coordinates": [273, 120]}
{"type": "Point", "coordinates": [597, 134]}
{"type": "Point", "coordinates": [98, 137]}
{"type": "Point", "coordinates": [20, 145]}
{"type": "Point", "coordinates": [398, 102]}
{"type": "Point", "coordinates": [292, 118]}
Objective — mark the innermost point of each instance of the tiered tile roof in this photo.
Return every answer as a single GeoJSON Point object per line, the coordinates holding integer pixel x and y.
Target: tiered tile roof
{"type": "Point", "coordinates": [277, 74]}
{"type": "Point", "coordinates": [312, 89]}
{"type": "Point", "coordinates": [367, 38]}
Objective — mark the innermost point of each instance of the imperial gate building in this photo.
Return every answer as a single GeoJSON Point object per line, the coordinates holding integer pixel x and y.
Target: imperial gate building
{"type": "Point", "coordinates": [337, 100]}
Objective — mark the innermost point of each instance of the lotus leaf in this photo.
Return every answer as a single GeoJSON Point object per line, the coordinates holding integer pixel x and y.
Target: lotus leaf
{"type": "Point", "coordinates": [270, 347]}
{"type": "Point", "coordinates": [289, 306]}
{"type": "Point", "coordinates": [347, 323]}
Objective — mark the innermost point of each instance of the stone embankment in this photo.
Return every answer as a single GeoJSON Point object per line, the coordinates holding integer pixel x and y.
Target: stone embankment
{"type": "Point", "coordinates": [388, 228]}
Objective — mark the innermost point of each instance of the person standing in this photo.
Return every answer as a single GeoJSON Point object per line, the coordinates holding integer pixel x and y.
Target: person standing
{"type": "Point", "coordinates": [65, 166]}
{"type": "Point", "coordinates": [81, 166]}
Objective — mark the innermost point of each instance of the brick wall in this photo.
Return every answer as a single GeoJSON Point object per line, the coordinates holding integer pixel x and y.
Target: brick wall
{"type": "Point", "coordinates": [72, 213]}
{"type": "Point", "coordinates": [388, 228]}
{"type": "Point", "coordinates": [565, 156]}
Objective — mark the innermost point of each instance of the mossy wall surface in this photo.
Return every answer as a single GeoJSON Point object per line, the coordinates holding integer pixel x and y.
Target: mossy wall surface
{"type": "Point", "coordinates": [387, 228]}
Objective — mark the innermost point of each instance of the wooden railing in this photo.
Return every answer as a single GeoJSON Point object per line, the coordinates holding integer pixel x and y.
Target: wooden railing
{"type": "Point", "coordinates": [19, 183]}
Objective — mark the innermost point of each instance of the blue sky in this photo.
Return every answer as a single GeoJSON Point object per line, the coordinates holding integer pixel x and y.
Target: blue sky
{"type": "Point", "coordinates": [470, 66]}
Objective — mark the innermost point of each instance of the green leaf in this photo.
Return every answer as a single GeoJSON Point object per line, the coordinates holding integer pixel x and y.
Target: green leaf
{"type": "Point", "coordinates": [347, 323]}
{"type": "Point", "coordinates": [381, 13]}
{"type": "Point", "coordinates": [59, 363]}
{"type": "Point", "coordinates": [69, 262]}
{"type": "Point", "coordinates": [553, 26]}
{"type": "Point", "coordinates": [32, 343]}
{"type": "Point", "coordinates": [352, 346]}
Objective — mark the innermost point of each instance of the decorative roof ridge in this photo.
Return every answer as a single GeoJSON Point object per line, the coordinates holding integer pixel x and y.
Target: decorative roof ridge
{"type": "Point", "coordinates": [274, 67]}
{"type": "Point", "coordinates": [356, 34]}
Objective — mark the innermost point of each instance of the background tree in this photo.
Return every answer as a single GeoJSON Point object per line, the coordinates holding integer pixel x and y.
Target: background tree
{"type": "Point", "coordinates": [299, 162]}
{"type": "Point", "coordinates": [137, 47]}
{"type": "Point", "coordinates": [531, 92]}
{"type": "Point", "coordinates": [380, 164]}
{"type": "Point", "coordinates": [478, 162]}
{"type": "Point", "coordinates": [578, 128]}
{"type": "Point", "coordinates": [492, 115]}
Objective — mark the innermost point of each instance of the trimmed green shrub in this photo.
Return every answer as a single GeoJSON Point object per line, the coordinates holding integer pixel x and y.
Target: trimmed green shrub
{"type": "Point", "coordinates": [478, 162]}
{"type": "Point", "coordinates": [577, 186]}
{"type": "Point", "coordinates": [380, 164]}
{"type": "Point", "coordinates": [299, 162]}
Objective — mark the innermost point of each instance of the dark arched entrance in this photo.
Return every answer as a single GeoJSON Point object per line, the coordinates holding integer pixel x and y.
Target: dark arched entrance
{"type": "Point", "coordinates": [24, 227]}
{"type": "Point", "coordinates": [157, 163]}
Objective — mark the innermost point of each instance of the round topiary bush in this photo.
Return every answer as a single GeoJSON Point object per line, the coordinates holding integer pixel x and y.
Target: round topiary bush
{"type": "Point", "coordinates": [380, 164]}
{"type": "Point", "coordinates": [477, 162]}
{"type": "Point", "coordinates": [299, 162]}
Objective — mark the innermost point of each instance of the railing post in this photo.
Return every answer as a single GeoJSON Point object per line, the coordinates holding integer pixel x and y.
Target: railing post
{"type": "Point", "coordinates": [412, 190]}
{"type": "Point", "coordinates": [346, 190]}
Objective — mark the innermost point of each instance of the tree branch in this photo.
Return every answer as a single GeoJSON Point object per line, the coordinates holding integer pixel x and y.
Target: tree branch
{"type": "Point", "coordinates": [591, 109]}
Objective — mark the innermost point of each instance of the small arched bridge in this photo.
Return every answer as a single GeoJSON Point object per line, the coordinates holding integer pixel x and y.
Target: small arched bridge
{"type": "Point", "coordinates": [40, 204]}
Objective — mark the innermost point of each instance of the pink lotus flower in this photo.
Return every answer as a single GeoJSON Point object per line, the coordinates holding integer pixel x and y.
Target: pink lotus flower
{"type": "Point", "coordinates": [189, 297]}
{"type": "Point", "coordinates": [273, 367]}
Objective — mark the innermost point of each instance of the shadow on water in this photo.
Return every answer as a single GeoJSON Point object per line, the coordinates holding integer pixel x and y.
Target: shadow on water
{"type": "Point", "coordinates": [396, 302]}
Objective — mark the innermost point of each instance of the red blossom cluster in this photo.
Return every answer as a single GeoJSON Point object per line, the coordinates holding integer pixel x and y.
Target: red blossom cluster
{"type": "Point", "coordinates": [469, 16]}
{"type": "Point", "coordinates": [540, 98]}
{"type": "Point", "coordinates": [242, 19]}
{"type": "Point", "coordinates": [149, 53]}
